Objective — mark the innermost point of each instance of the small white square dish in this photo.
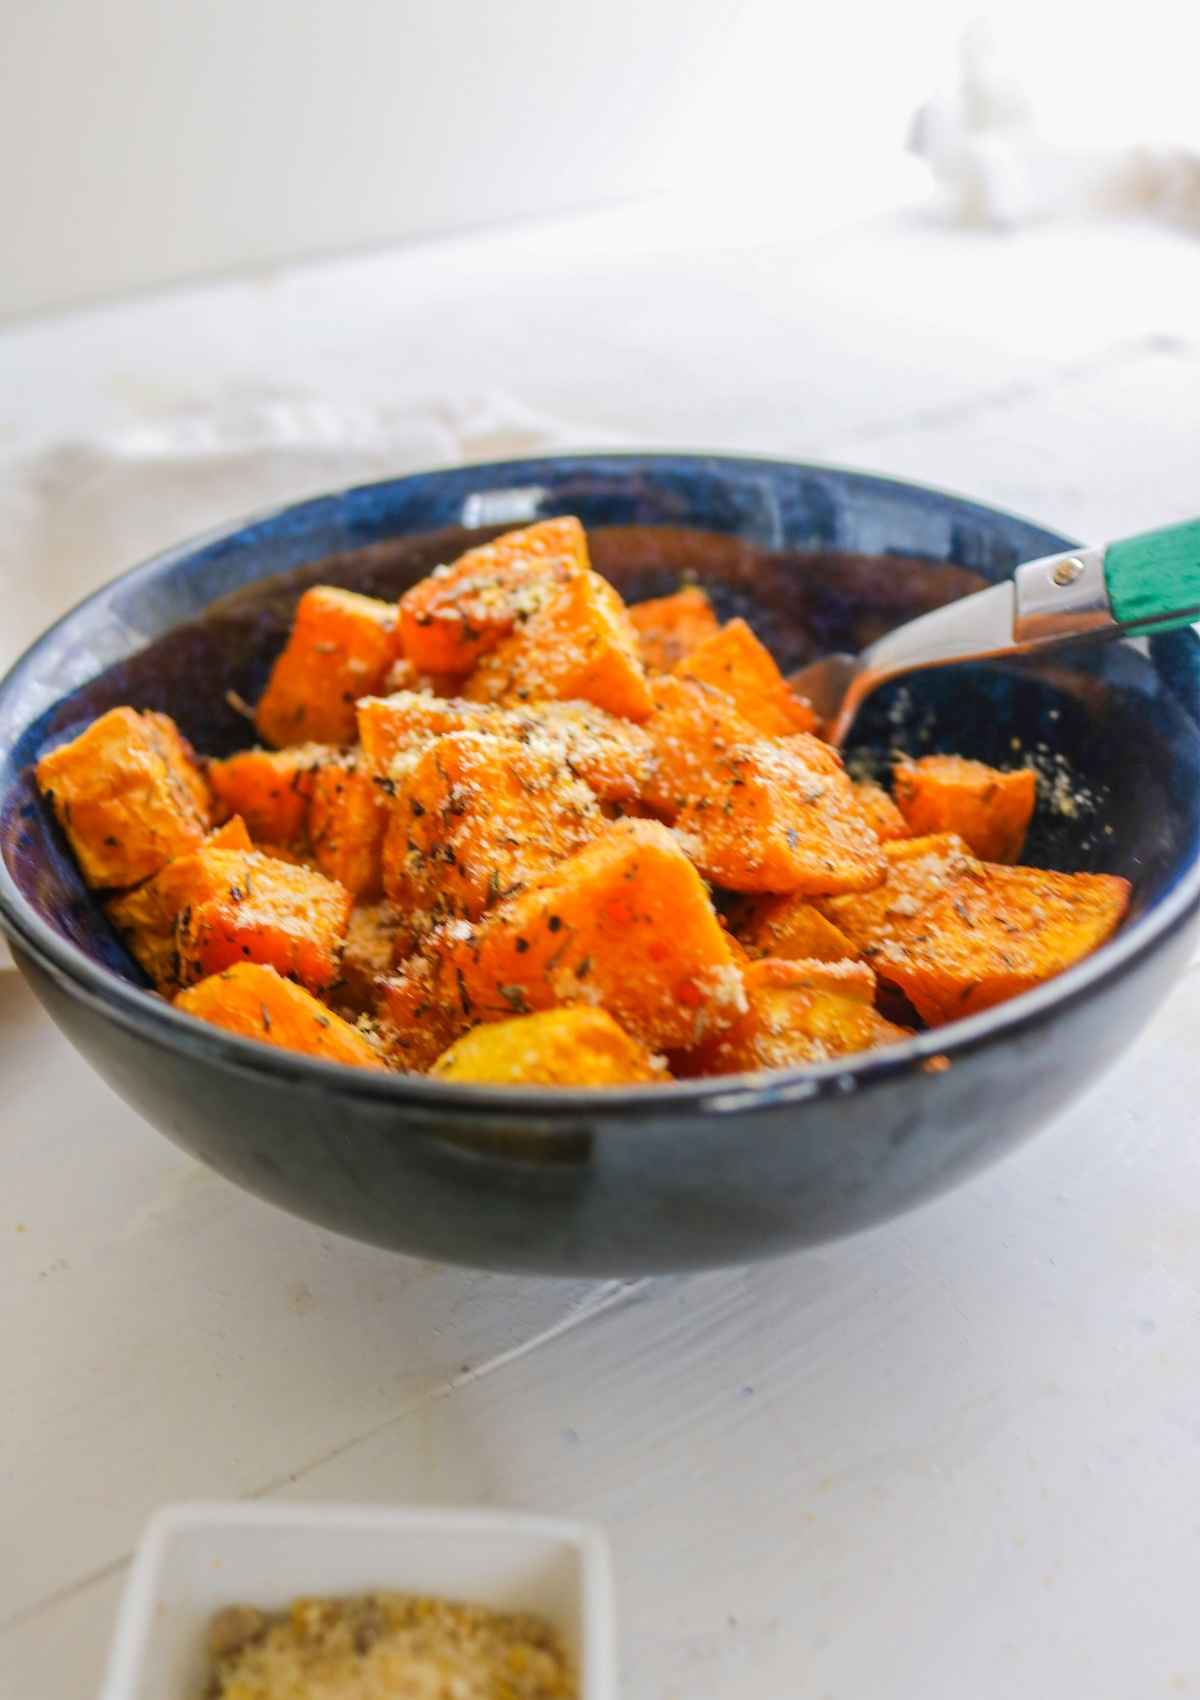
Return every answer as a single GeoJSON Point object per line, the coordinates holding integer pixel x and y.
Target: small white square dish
{"type": "Point", "coordinates": [195, 1559]}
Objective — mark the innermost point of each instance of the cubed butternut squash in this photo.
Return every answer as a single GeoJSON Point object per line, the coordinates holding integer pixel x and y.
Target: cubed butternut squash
{"type": "Point", "coordinates": [580, 644]}
{"type": "Point", "coordinates": [790, 928]}
{"type": "Point", "coordinates": [781, 817]}
{"type": "Point", "coordinates": [127, 794]}
{"type": "Point", "coordinates": [609, 754]}
{"type": "Point", "coordinates": [453, 617]}
{"type": "Point", "coordinates": [794, 1018]}
{"type": "Point", "coordinates": [669, 628]}
{"type": "Point", "coordinates": [988, 808]}
{"type": "Point", "coordinates": [626, 924]}
{"type": "Point", "coordinates": [263, 910]}
{"type": "Point", "coordinates": [734, 661]}
{"type": "Point", "coordinates": [347, 819]}
{"type": "Point", "coordinates": [475, 817]}
{"type": "Point", "coordinates": [251, 999]}
{"type": "Point", "coordinates": [578, 1046]}
{"type": "Point", "coordinates": [367, 958]}
{"type": "Point", "coordinates": [422, 1008]}
{"type": "Point", "coordinates": [917, 871]}
{"type": "Point", "coordinates": [270, 789]}
{"type": "Point", "coordinates": [997, 931]}
{"type": "Point", "coordinates": [340, 648]}
{"type": "Point", "coordinates": [693, 729]}
{"type": "Point", "coordinates": [885, 818]}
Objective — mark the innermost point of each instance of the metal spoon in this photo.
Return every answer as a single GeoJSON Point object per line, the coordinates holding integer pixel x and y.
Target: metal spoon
{"type": "Point", "coordinates": [1145, 584]}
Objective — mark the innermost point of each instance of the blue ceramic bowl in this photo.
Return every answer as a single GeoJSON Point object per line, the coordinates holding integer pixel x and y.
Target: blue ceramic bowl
{"type": "Point", "coordinates": [643, 1179]}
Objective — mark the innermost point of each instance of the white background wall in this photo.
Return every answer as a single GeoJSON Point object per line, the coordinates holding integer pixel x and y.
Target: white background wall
{"type": "Point", "coordinates": [149, 139]}
{"type": "Point", "coordinates": [144, 140]}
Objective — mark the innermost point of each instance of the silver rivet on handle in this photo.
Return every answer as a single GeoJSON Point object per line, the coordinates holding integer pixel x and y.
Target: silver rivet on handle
{"type": "Point", "coordinates": [1066, 572]}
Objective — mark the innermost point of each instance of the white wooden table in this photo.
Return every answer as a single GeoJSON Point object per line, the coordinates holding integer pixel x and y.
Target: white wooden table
{"type": "Point", "coordinates": [957, 1456]}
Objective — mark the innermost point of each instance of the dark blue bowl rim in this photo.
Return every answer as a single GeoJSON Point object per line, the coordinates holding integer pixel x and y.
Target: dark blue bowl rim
{"type": "Point", "coordinates": [142, 1012]}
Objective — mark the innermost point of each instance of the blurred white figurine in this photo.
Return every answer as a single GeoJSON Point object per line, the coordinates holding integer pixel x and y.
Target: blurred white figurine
{"type": "Point", "coordinates": [982, 140]}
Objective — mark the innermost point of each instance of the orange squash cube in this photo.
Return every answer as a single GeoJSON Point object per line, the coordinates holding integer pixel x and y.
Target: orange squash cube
{"type": "Point", "coordinates": [885, 818]}
{"type": "Point", "coordinates": [459, 612]}
{"type": "Point", "coordinates": [609, 754]}
{"type": "Point", "coordinates": [421, 1009]}
{"type": "Point", "coordinates": [476, 817]}
{"type": "Point", "coordinates": [270, 789]}
{"type": "Point", "coordinates": [797, 1014]}
{"type": "Point", "coordinates": [578, 1046]}
{"type": "Point", "coordinates": [848, 978]}
{"type": "Point", "coordinates": [734, 661]}
{"type": "Point", "coordinates": [347, 819]}
{"type": "Point", "coordinates": [367, 957]}
{"type": "Point", "coordinates": [781, 817]}
{"type": "Point", "coordinates": [917, 871]}
{"type": "Point", "coordinates": [128, 796]}
{"type": "Point", "coordinates": [989, 809]}
{"type": "Point", "coordinates": [253, 1000]}
{"type": "Point", "coordinates": [625, 924]}
{"type": "Point", "coordinates": [580, 644]}
{"type": "Point", "coordinates": [217, 906]}
{"type": "Point", "coordinates": [790, 928]}
{"type": "Point", "coordinates": [998, 931]}
{"type": "Point", "coordinates": [692, 731]}
{"type": "Point", "coordinates": [669, 628]}
{"type": "Point", "coordinates": [340, 648]}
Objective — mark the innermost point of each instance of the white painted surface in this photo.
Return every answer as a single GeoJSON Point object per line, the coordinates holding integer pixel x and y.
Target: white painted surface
{"type": "Point", "coordinates": [958, 1455]}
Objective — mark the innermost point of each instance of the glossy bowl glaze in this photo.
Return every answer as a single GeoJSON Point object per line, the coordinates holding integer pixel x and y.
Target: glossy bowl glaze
{"type": "Point", "coordinates": [644, 1179]}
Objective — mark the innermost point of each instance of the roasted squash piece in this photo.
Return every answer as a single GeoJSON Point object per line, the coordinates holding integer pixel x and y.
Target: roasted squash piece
{"type": "Point", "coordinates": [734, 661]}
{"type": "Point", "coordinates": [579, 644]}
{"type": "Point", "coordinates": [781, 816]}
{"type": "Point", "coordinates": [227, 906]}
{"type": "Point", "coordinates": [918, 870]}
{"type": "Point", "coordinates": [145, 917]}
{"type": "Point", "coordinates": [253, 1000]}
{"type": "Point", "coordinates": [367, 957]}
{"type": "Point", "coordinates": [884, 816]}
{"type": "Point", "coordinates": [128, 796]}
{"type": "Point", "coordinates": [459, 612]}
{"type": "Point", "coordinates": [403, 676]}
{"type": "Point", "coordinates": [796, 1014]}
{"type": "Point", "coordinates": [270, 789]}
{"type": "Point", "coordinates": [422, 1008]}
{"type": "Point", "coordinates": [692, 731]}
{"type": "Point", "coordinates": [996, 932]}
{"type": "Point", "coordinates": [347, 819]}
{"type": "Point", "coordinates": [988, 808]}
{"type": "Point", "coordinates": [611, 755]}
{"type": "Point", "coordinates": [792, 928]}
{"type": "Point", "coordinates": [340, 648]}
{"type": "Point", "coordinates": [669, 628]}
{"type": "Point", "coordinates": [476, 817]}
{"type": "Point", "coordinates": [848, 978]}
{"type": "Point", "coordinates": [231, 835]}
{"type": "Point", "coordinates": [624, 923]}
{"type": "Point", "coordinates": [560, 1047]}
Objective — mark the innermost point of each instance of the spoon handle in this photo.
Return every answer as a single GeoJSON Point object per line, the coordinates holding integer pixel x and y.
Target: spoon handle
{"type": "Point", "coordinates": [1141, 584]}
{"type": "Point", "coordinates": [1154, 580]}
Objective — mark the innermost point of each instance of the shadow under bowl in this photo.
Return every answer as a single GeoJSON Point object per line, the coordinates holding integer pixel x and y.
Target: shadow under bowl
{"type": "Point", "coordinates": [638, 1180]}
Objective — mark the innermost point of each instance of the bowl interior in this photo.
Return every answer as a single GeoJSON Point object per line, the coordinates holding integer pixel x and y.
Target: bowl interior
{"type": "Point", "coordinates": [814, 560]}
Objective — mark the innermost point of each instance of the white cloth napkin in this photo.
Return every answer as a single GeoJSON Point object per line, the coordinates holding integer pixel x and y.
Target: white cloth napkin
{"type": "Point", "coordinates": [75, 512]}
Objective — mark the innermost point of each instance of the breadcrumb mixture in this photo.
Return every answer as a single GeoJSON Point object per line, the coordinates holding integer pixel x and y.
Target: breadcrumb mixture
{"type": "Point", "coordinates": [386, 1647]}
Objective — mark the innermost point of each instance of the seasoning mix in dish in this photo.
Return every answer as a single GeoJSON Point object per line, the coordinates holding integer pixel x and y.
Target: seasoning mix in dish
{"type": "Point", "coordinates": [385, 1647]}
{"type": "Point", "coordinates": [511, 831]}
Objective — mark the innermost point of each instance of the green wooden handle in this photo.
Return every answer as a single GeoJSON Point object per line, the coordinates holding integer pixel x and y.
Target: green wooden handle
{"type": "Point", "coordinates": [1154, 580]}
